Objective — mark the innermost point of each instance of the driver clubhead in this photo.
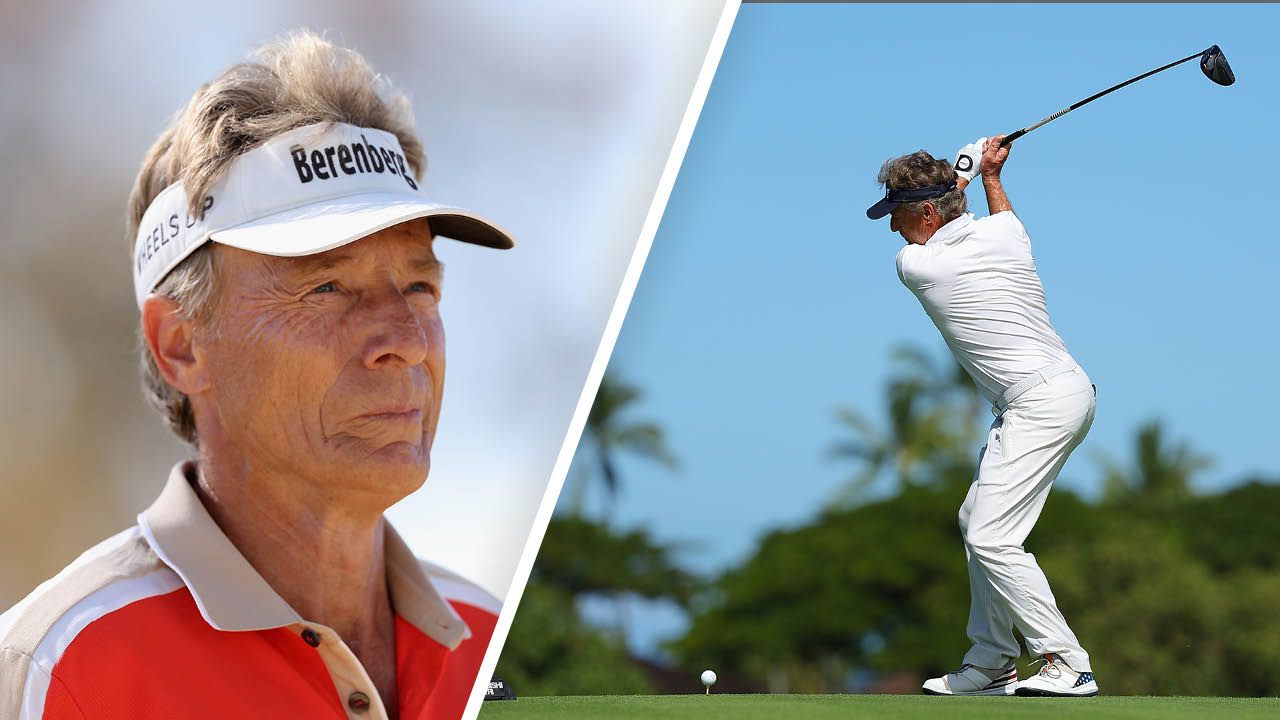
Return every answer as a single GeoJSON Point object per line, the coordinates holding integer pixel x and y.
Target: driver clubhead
{"type": "Point", "coordinates": [1214, 65]}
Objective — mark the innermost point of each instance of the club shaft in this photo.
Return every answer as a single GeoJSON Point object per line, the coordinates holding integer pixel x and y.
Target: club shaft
{"type": "Point", "coordinates": [1015, 135]}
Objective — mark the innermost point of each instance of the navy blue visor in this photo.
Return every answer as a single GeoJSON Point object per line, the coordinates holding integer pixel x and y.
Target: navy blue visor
{"type": "Point", "coordinates": [894, 198]}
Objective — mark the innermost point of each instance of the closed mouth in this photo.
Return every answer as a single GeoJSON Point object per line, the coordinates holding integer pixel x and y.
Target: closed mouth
{"type": "Point", "coordinates": [395, 414]}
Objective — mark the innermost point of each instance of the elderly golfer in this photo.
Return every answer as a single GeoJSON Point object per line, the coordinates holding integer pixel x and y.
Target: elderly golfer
{"type": "Point", "coordinates": [977, 281]}
{"type": "Point", "coordinates": [289, 294]}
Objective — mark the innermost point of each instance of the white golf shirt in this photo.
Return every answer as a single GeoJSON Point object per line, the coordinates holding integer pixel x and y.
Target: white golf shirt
{"type": "Point", "coordinates": [977, 280]}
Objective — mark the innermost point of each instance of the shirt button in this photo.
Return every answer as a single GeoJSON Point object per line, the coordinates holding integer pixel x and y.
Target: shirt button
{"type": "Point", "coordinates": [311, 637]}
{"type": "Point", "coordinates": [358, 701]}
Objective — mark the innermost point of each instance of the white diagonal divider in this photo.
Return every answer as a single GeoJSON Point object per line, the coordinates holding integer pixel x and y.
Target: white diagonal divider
{"type": "Point", "coordinates": [619, 312]}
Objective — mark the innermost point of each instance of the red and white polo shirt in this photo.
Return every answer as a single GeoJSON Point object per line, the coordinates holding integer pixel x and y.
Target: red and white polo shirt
{"type": "Point", "coordinates": [168, 620]}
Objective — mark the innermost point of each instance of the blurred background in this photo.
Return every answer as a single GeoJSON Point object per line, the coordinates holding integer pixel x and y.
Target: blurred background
{"type": "Point", "coordinates": [769, 481]}
{"type": "Point", "coordinates": [554, 119]}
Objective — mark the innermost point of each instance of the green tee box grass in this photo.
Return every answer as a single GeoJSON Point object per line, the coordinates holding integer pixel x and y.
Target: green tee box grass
{"type": "Point", "coordinates": [882, 707]}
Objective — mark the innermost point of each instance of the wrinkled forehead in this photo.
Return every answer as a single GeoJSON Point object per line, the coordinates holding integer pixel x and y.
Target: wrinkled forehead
{"type": "Point", "coordinates": [406, 247]}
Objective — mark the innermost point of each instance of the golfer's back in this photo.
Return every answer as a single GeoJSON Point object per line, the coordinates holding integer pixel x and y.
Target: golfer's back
{"type": "Point", "coordinates": [977, 280]}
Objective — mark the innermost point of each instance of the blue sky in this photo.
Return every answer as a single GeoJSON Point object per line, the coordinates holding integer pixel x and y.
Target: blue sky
{"type": "Point", "coordinates": [769, 300]}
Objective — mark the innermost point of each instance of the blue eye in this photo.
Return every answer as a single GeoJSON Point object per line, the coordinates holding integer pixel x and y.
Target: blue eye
{"type": "Point", "coordinates": [325, 288]}
{"type": "Point", "coordinates": [425, 287]}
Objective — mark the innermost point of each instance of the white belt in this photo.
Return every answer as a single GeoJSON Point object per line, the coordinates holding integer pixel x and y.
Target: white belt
{"type": "Point", "coordinates": [1035, 379]}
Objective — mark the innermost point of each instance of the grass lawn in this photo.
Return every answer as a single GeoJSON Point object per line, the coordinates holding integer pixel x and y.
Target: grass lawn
{"type": "Point", "coordinates": [882, 707]}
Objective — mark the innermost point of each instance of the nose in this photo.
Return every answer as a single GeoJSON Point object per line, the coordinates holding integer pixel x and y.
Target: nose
{"type": "Point", "coordinates": [395, 332]}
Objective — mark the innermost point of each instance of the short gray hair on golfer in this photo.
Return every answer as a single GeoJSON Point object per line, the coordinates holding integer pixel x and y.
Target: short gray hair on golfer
{"type": "Point", "coordinates": [920, 169]}
{"type": "Point", "coordinates": [301, 79]}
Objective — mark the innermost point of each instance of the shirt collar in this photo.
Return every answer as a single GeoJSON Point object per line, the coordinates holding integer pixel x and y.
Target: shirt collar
{"type": "Point", "coordinates": [953, 229]}
{"type": "Point", "coordinates": [232, 596]}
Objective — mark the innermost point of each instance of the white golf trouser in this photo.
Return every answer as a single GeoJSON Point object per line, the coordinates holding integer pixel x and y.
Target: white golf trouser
{"type": "Point", "coordinates": [1026, 448]}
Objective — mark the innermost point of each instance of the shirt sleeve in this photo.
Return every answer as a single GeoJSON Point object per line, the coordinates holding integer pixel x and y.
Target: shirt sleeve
{"type": "Point", "coordinates": [1007, 222]}
{"type": "Point", "coordinates": [902, 261]}
{"type": "Point", "coordinates": [51, 698]}
{"type": "Point", "coordinates": [917, 267]}
{"type": "Point", "coordinates": [13, 675]}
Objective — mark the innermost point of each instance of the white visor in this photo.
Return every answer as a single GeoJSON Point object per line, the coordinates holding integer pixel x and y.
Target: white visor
{"type": "Point", "coordinates": [304, 192]}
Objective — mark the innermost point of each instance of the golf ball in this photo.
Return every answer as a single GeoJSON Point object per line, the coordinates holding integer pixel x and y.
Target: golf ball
{"type": "Point", "coordinates": [708, 677]}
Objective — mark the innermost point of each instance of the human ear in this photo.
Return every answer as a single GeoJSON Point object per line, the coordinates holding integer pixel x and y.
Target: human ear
{"type": "Point", "coordinates": [170, 338]}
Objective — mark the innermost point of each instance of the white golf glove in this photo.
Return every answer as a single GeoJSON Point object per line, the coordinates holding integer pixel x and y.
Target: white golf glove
{"type": "Point", "coordinates": [969, 160]}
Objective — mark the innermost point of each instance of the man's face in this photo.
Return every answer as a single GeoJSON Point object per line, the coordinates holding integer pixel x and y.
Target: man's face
{"type": "Point", "coordinates": [913, 227]}
{"type": "Point", "coordinates": [331, 366]}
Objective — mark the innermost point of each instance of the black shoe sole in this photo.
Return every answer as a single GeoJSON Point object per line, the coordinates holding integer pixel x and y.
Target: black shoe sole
{"type": "Point", "coordinates": [935, 693]}
{"type": "Point", "coordinates": [1032, 692]}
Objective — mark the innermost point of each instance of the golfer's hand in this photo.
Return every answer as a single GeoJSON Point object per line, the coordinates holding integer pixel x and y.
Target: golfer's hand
{"type": "Point", "coordinates": [993, 156]}
{"type": "Point", "coordinates": [969, 159]}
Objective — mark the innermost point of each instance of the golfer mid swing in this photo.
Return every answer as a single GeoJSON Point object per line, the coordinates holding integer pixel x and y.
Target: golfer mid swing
{"type": "Point", "coordinates": [977, 280]}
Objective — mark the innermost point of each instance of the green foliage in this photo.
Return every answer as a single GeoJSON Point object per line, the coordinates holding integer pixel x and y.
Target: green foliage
{"type": "Point", "coordinates": [1170, 592]}
{"type": "Point", "coordinates": [1161, 472]}
{"type": "Point", "coordinates": [550, 651]}
{"type": "Point", "coordinates": [1152, 618]}
{"type": "Point", "coordinates": [1251, 637]}
{"type": "Point", "coordinates": [865, 586]}
{"type": "Point", "coordinates": [581, 556]}
{"type": "Point", "coordinates": [931, 426]}
{"type": "Point", "coordinates": [1237, 529]}
{"type": "Point", "coordinates": [1161, 610]}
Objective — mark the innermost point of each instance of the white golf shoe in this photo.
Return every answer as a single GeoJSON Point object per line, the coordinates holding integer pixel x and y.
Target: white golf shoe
{"type": "Point", "coordinates": [1057, 679]}
{"type": "Point", "coordinates": [973, 680]}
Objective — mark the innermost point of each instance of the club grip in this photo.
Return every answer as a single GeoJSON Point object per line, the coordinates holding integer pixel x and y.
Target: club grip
{"type": "Point", "coordinates": [1011, 137]}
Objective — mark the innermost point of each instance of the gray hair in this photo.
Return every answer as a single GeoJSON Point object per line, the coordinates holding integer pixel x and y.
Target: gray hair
{"type": "Point", "coordinates": [299, 80]}
{"type": "Point", "coordinates": [920, 169]}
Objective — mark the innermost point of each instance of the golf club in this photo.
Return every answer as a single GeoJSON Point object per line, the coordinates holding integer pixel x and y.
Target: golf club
{"type": "Point", "coordinates": [1212, 63]}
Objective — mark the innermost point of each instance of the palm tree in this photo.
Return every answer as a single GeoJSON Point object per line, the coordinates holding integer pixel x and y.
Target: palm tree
{"type": "Point", "coordinates": [1161, 470]}
{"type": "Point", "coordinates": [932, 421]}
{"type": "Point", "coordinates": [609, 431]}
